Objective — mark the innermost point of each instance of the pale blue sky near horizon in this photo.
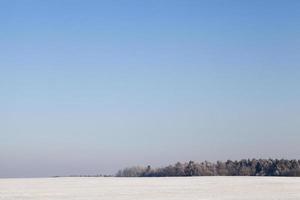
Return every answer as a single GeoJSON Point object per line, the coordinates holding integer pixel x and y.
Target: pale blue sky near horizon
{"type": "Point", "coordinates": [89, 87]}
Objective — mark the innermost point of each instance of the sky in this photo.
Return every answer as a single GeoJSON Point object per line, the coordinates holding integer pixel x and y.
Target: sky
{"type": "Point", "coordinates": [90, 87]}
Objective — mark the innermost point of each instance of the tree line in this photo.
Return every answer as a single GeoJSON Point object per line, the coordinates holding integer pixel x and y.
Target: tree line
{"type": "Point", "coordinates": [253, 167]}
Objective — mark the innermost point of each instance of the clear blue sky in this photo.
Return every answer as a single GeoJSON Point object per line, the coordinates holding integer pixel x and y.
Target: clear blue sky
{"type": "Point", "coordinates": [93, 86]}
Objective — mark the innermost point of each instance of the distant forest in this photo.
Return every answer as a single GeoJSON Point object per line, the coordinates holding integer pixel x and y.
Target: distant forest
{"type": "Point", "coordinates": [254, 167]}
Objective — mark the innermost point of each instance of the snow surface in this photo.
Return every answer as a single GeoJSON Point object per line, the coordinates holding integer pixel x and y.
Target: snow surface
{"type": "Point", "coordinates": [177, 188]}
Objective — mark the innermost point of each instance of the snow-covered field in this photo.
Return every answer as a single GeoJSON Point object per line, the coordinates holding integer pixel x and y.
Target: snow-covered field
{"type": "Point", "coordinates": [178, 188]}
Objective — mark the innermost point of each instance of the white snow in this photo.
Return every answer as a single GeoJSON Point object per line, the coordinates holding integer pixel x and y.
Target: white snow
{"type": "Point", "coordinates": [177, 188]}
